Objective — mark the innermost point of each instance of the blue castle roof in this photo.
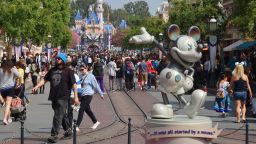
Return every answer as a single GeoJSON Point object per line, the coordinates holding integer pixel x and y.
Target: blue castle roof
{"type": "Point", "coordinates": [92, 16]}
{"type": "Point", "coordinates": [108, 27]}
{"type": "Point", "coordinates": [123, 24]}
{"type": "Point", "coordinates": [78, 16]}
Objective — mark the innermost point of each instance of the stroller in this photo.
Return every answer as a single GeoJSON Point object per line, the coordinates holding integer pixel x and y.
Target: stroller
{"type": "Point", "coordinates": [18, 106]}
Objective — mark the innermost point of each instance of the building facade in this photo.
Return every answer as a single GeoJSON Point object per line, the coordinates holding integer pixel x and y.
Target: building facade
{"type": "Point", "coordinates": [95, 33]}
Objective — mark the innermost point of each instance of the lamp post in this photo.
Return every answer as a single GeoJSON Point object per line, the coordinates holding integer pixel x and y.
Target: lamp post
{"type": "Point", "coordinates": [161, 42]}
{"type": "Point", "coordinates": [213, 24]}
{"type": "Point", "coordinates": [49, 45]}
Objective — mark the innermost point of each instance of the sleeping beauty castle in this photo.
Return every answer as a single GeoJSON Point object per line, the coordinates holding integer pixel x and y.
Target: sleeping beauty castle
{"type": "Point", "coordinates": [95, 33]}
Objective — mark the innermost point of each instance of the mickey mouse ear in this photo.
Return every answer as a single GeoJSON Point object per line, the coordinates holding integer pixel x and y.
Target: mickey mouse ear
{"type": "Point", "coordinates": [173, 32]}
{"type": "Point", "coordinates": [194, 32]}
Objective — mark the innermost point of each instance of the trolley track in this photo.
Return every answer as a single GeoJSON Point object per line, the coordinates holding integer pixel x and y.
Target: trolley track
{"type": "Point", "coordinates": [119, 123]}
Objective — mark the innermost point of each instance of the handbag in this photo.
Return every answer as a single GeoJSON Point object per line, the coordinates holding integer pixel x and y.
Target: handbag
{"type": "Point", "coordinates": [220, 94]}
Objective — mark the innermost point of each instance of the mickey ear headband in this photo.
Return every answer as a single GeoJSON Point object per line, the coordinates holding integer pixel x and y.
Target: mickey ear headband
{"type": "Point", "coordinates": [241, 63]}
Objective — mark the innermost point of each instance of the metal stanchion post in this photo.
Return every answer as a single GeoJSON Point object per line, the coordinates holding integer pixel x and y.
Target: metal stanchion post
{"type": "Point", "coordinates": [22, 132]}
{"type": "Point", "coordinates": [74, 132]}
{"type": "Point", "coordinates": [129, 131]}
{"type": "Point", "coordinates": [247, 132]}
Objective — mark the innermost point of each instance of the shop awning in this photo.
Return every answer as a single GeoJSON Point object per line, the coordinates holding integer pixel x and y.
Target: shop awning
{"type": "Point", "coordinates": [240, 45]}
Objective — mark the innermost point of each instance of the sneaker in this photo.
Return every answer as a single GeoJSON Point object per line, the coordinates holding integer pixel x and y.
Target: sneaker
{"type": "Point", "coordinates": [53, 139]}
{"type": "Point", "coordinates": [95, 125]}
{"type": "Point", "coordinates": [68, 134]}
{"type": "Point", "coordinates": [77, 129]}
{"type": "Point", "coordinates": [9, 120]}
{"type": "Point", "coordinates": [5, 122]}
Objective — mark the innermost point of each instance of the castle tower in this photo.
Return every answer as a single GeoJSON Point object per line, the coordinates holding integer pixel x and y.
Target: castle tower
{"type": "Point", "coordinates": [163, 11]}
{"type": "Point", "coordinates": [78, 21]}
{"type": "Point", "coordinates": [99, 11]}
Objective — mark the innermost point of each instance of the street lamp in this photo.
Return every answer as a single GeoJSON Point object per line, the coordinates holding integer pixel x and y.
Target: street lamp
{"type": "Point", "coordinates": [49, 45]}
{"type": "Point", "coordinates": [213, 24]}
{"type": "Point", "coordinates": [213, 45]}
{"type": "Point", "coordinates": [161, 42]}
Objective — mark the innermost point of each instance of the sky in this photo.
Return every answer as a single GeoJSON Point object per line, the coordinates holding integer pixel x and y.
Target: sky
{"type": "Point", "coordinates": [153, 4]}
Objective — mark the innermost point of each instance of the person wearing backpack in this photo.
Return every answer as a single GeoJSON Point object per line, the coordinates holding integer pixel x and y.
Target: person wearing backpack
{"type": "Point", "coordinates": [98, 72]}
{"type": "Point", "coordinates": [129, 74]}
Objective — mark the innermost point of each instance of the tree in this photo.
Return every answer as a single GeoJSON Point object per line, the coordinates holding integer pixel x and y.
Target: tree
{"type": "Point", "coordinates": [118, 38]}
{"type": "Point", "coordinates": [18, 19]}
{"type": "Point", "coordinates": [26, 20]}
{"type": "Point", "coordinates": [153, 25]}
{"type": "Point", "coordinates": [82, 5]}
{"type": "Point", "coordinates": [117, 16]}
{"type": "Point", "coordinates": [185, 14]}
{"type": "Point", "coordinates": [245, 16]}
{"type": "Point", "coordinates": [138, 8]}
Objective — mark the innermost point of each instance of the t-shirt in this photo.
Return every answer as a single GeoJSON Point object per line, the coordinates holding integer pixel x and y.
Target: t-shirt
{"type": "Point", "coordinates": [61, 82]}
{"type": "Point", "coordinates": [143, 67]}
{"type": "Point", "coordinates": [21, 73]}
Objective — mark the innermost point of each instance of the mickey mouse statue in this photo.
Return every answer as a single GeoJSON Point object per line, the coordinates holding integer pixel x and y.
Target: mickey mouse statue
{"type": "Point", "coordinates": [177, 77]}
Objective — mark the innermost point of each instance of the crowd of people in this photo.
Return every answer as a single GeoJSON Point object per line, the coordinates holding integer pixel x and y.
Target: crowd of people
{"type": "Point", "coordinates": [74, 79]}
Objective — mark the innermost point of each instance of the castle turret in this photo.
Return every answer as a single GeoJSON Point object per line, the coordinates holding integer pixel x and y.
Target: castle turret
{"type": "Point", "coordinates": [78, 20]}
{"type": "Point", "coordinates": [163, 11]}
{"type": "Point", "coordinates": [99, 11]}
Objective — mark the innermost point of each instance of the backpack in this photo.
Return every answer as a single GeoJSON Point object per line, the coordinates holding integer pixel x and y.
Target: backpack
{"type": "Point", "coordinates": [129, 68]}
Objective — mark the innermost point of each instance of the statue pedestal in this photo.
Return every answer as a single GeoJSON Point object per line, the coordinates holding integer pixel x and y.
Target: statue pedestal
{"type": "Point", "coordinates": [180, 130]}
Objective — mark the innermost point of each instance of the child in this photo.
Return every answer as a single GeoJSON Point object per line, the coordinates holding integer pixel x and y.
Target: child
{"type": "Point", "coordinates": [18, 90]}
{"type": "Point", "coordinates": [222, 98]}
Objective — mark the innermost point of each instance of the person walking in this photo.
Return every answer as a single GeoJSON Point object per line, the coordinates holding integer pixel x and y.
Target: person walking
{"type": "Point", "coordinates": [111, 66]}
{"type": "Point", "coordinates": [61, 80]}
{"type": "Point", "coordinates": [143, 71]}
{"type": "Point", "coordinates": [119, 75]}
{"type": "Point", "coordinates": [88, 86]}
{"type": "Point", "coordinates": [240, 85]}
{"type": "Point", "coordinates": [98, 72]}
{"type": "Point", "coordinates": [222, 97]}
{"type": "Point", "coordinates": [8, 75]}
{"type": "Point", "coordinates": [129, 74]}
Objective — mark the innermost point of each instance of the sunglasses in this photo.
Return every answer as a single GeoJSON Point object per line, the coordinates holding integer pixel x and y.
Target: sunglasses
{"type": "Point", "coordinates": [81, 70]}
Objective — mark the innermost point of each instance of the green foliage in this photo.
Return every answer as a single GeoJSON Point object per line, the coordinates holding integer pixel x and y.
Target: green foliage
{"type": "Point", "coordinates": [81, 5]}
{"type": "Point", "coordinates": [153, 25]}
{"type": "Point", "coordinates": [25, 19]}
{"type": "Point", "coordinates": [186, 15]}
{"type": "Point", "coordinates": [138, 8]}
{"type": "Point", "coordinates": [244, 16]}
{"type": "Point", "coordinates": [117, 16]}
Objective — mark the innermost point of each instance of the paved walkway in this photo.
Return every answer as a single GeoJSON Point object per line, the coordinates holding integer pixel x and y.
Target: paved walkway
{"type": "Point", "coordinates": [38, 123]}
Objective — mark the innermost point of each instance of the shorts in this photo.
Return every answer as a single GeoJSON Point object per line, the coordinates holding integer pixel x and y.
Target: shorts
{"type": "Point", "coordinates": [144, 76]}
{"type": "Point", "coordinates": [240, 96]}
{"type": "Point", "coordinates": [111, 77]}
{"type": "Point", "coordinates": [9, 92]}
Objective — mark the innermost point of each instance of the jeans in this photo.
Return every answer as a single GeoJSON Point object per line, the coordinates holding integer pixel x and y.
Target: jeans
{"type": "Point", "coordinates": [150, 77]}
{"type": "Point", "coordinates": [85, 107]}
{"type": "Point", "coordinates": [100, 82]}
{"type": "Point", "coordinates": [60, 108]}
{"type": "Point", "coordinates": [223, 104]}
